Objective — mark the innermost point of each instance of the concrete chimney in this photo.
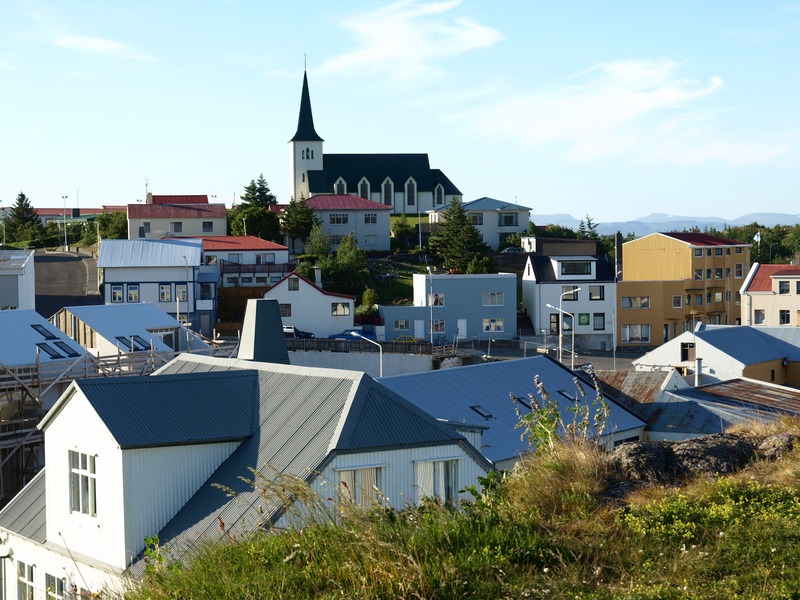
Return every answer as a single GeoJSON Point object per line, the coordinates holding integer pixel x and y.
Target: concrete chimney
{"type": "Point", "coordinates": [262, 333]}
{"type": "Point", "coordinates": [698, 371]}
{"type": "Point", "coordinates": [318, 277]}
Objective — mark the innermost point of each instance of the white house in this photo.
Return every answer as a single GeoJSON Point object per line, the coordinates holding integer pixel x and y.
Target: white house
{"type": "Point", "coordinates": [17, 280]}
{"type": "Point", "coordinates": [135, 457]}
{"type": "Point", "coordinates": [160, 272]}
{"type": "Point", "coordinates": [578, 291]}
{"type": "Point", "coordinates": [451, 307]}
{"type": "Point", "coordinates": [342, 214]}
{"type": "Point", "coordinates": [495, 220]}
{"type": "Point", "coordinates": [307, 306]}
{"type": "Point", "coordinates": [405, 183]}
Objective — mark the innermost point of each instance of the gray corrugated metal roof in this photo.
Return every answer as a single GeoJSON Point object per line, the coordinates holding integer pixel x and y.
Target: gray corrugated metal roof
{"type": "Point", "coordinates": [14, 260]}
{"type": "Point", "coordinates": [451, 394]}
{"type": "Point", "coordinates": [305, 415]}
{"type": "Point", "coordinates": [17, 325]}
{"type": "Point", "coordinates": [150, 253]}
{"type": "Point", "coordinates": [178, 409]}
{"type": "Point", "coordinates": [25, 513]}
{"type": "Point", "coordinates": [743, 343]}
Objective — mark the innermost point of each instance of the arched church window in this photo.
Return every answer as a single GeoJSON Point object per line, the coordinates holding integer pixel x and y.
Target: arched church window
{"type": "Point", "coordinates": [411, 192]}
{"type": "Point", "coordinates": [388, 192]}
{"type": "Point", "coordinates": [363, 189]}
{"type": "Point", "coordinates": [439, 195]}
{"type": "Point", "coordinates": [339, 187]}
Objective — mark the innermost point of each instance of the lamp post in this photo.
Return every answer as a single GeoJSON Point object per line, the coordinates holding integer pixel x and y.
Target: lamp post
{"type": "Point", "coordinates": [380, 349]}
{"type": "Point", "coordinates": [4, 233]}
{"type": "Point", "coordinates": [572, 316]}
{"type": "Point", "coordinates": [430, 301]}
{"type": "Point", "coordinates": [64, 221]}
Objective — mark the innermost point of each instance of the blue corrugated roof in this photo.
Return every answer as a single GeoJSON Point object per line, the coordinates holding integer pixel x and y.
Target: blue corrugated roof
{"type": "Point", "coordinates": [175, 409]}
{"type": "Point", "coordinates": [21, 339]}
{"type": "Point", "coordinates": [744, 344]}
{"type": "Point", "coordinates": [480, 394]}
{"type": "Point", "coordinates": [175, 252]}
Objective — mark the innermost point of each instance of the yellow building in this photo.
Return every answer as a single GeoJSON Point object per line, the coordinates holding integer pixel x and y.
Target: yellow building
{"type": "Point", "coordinates": [671, 281]}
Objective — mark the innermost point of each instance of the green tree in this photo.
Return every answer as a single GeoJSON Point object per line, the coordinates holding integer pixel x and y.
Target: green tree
{"type": "Point", "coordinates": [257, 193]}
{"type": "Point", "coordinates": [351, 261]}
{"type": "Point", "coordinates": [369, 299]}
{"type": "Point", "coordinates": [402, 229]}
{"type": "Point", "coordinates": [254, 219]}
{"type": "Point", "coordinates": [458, 242]}
{"type": "Point", "coordinates": [318, 243]}
{"type": "Point", "coordinates": [22, 222]}
{"type": "Point", "coordinates": [113, 226]}
{"type": "Point", "coordinates": [297, 221]}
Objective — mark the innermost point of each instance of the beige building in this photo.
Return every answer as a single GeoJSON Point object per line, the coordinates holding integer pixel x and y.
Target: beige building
{"type": "Point", "coordinates": [671, 281]}
{"type": "Point", "coordinates": [771, 296]}
{"type": "Point", "coordinates": [176, 216]}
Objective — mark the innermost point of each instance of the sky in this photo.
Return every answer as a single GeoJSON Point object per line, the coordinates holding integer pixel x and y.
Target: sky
{"type": "Point", "coordinates": [612, 110]}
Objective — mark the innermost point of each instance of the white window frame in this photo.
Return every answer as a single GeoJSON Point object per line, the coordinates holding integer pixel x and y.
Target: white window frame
{"type": "Point", "coordinates": [437, 479]}
{"type": "Point", "coordinates": [55, 587]}
{"type": "Point", "coordinates": [117, 293]}
{"type": "Point", "coordinates": [338, 218]}
{"type": "Point", "coordinates": [165, 292]}
{"type": "Point", "coordinates": [132, 294]}
{"type": "Point", "coordinates": [82, 483]}
{"type": "Point", "coordinates": [25, 578]}
{"type": "Point", "coordinates": [402, 325]}
{"type": "Point", "coordinates": [493, 299]}
{"type": "Point", "coordinates": [340, 309]}
{"type": "Point", "coordinates": [492, 325]}
{"type": "Point", "coordinates": [361, 485]}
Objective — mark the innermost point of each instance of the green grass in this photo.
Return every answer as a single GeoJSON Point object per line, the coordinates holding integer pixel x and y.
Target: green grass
{"type": "Point", "coordinates": [544, 531]}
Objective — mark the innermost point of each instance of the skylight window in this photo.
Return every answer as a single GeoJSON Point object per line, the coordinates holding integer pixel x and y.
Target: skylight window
{"type": "Point", "coordinates": [44, 332]}
{"type": "Point", "coordinates": [49, 350]}
{"type": "Point", "coordinates": [482, 411]}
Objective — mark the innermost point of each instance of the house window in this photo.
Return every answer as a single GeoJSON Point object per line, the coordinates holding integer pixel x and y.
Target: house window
{"type": "Point", "coordinates": [206, 291]}
{"type": "Point", "coordinates": [208, 226]}
{"type": "Point", "coordinates": [599, 321]}
{"type": "Point", "coordinates": [337, 239]}
{"type": "Point", "coordinates": [370, 218]}
{"type": "Point", "coordinates": [698, 274]}
{"type": "Point", "coordinates": [569, 293]}
{"type": "Point", "coordinates": [439, 195]}
{"type": "Point", "coordinates": [738, 270]}
{"type": "Point", "coordinates": [232, 280]}
{"type": "Point", "coordinates": [493, 298]}
{"type": "Point", "coordinates": [698, 299]}
{"type": "Point", "coordinates": [235, 257]}
{"type": "Point", "coordinates": [180, 292]}
{"type": "Point", "coordinates": [388, 192]}
{"type": "Point", "coordinates": [507, 219]}
{"type": "Point", "coordinates": [370, 240]}
{"type": "Point", "coordinates": [285, 309]}
{"type": "Point", "coordinates": [438, 299]}
{"type": "Point", "coordinates": [717, 296]}
{"type": "Point", "coordinates": [146, 226]}
{"type": "Point", "coordinates": [247, 279]}
{"type": "Point", "coordinates": [718, 273]}
{"type": "Point", "coordinates": [165, 292]}
{"type": "Point", "coordinates": [54, 587]}
{"type": "Point", "coordinates": [708, 251]}
{"type": "Point", "coordinates": [575, 267]}
{"type": "Point", "coordinates": [294, 284]}
{"type": "Point", "coordinates": [402, 324]}
{"type": "Point", "coordinates": [340, 187]}
{"type": "Point", "coordinates": [491, 325]}
{"type": "Point", "coordinates": [411, 192]}
{"type": "Point", "coordinates": [566, 321]}
{"type": "Point", "coordinates": [476, 219]}
{"type": "Point", "coordinates": [698, 252]}
{"type": "Point", "coordinates": [554, 323]}
{"type": "Point", "coordinates": [677, 302]}
{"type": "Point", "coordinates": [176, 227]}
{"type": "Point", "coordinates": [265, 258]}
{"type": "Point", "coordinates": [82, 479]}
{"type": "Point", "coordinates": [708, 273]}
{"type": "Point", "coordinates": [783, 317]}
{"type": "Point", "coordinates": [211, 259]}
{"type": "Point", "coordinates": [437, 479]}
{"type": "Point", "coordinates": [116, 293]}
{"type": "Point", "coordinates": [438, 326]}
{"type": "Point", "coordinates": [783, 287]}
{"type": "Point", "coordinates": [24, 581]}
{"type": "Point", "coordinates": [636, 302]}
{"type": "Point", "coordinates": [708, 297]}
{"type": "Point", "coordinates": [597, 292]}
{"type": "Point", "coordinates": [717, 251]}
{"type": "Point", "coordinates": [737, 250]}
{"type": "Point", "coordinates": [337, 218]}
{"type": "Point", "coordinates": [636, 333]}
{"type": "Point", "coordinates": [361, 486]}
{"type": "Point", "coordinates": [363, 189]}
{"type": "Point", "coordinates": [133, 293]}
{"type": "Point", "coordinates": [340, 309]}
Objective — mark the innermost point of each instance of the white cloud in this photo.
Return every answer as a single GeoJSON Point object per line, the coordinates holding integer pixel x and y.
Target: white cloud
{"type": "Point", "coordinates": [100, 46]}
{"type": "Point", "coordinates": [637, 107]}
{"type": "Point", "coordinates": [402, 39]}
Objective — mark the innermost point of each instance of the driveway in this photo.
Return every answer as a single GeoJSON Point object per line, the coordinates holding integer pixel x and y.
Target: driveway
{"type": "Point", "coordinates": [64, 279]}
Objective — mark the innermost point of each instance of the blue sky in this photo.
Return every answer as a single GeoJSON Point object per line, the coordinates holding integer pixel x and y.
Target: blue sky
{"type": "Point", "coordinates": [609, 109]}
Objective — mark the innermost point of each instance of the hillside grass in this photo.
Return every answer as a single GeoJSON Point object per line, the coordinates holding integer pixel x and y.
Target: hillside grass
{"type": "Point", "coordinates": [547, 530]}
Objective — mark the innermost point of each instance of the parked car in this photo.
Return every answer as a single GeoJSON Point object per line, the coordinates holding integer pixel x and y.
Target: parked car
{"type": "Point", "coordinates": [408, 339]}
{"type": "Point", "coordinates": [347, 334]}
{"type": "Point", "coordinates": [513, 250]}
{"type": "Point", "coordinates": [292, 332]}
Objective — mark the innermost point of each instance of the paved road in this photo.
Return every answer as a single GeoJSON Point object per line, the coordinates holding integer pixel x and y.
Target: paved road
{"type": "Point", "coordinates": [64, 279]}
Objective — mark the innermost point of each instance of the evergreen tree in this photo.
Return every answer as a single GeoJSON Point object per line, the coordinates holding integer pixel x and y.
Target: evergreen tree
{"type": "Point", "coordinates": [318, 244]}
{"type": "Point", "coordinates": [402, 230]}
{"type": "Point", "coordinates": [257, 193]}
{"type": "Point", "coordinates": [22, 222]}
{"type": "Point", "coordinates": [458, 242]}
{"type": "Point", "coordinates": [351, 261]}
{"type": "Point", "coordinates": [254, 219]}
{"type": "Point", "coordinates": [113, 226]}
{"type": "Point", "coordinates": [297, 221]}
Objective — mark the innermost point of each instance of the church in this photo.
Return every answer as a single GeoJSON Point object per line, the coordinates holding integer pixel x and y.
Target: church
{"type": "Point", "coordinates": [404, 182]}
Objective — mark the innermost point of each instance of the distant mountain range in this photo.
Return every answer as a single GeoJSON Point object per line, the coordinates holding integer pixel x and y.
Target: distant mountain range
{"type": "Point", "coordinates": [662, 222]}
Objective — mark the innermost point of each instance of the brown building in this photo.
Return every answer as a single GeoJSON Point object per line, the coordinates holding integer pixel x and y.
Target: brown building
{"type": "Point", "coordinates": [671, 281]}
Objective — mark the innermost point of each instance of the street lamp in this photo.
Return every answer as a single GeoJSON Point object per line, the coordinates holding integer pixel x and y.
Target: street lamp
{"type": "Point", "coordinates": [380, 349]}
{"type": "Point", "coordinates": [561, 328]}
{"type": "Point", "coordinates": [64, 220]}
{"type": "Point", "coordinates": [430, 301]}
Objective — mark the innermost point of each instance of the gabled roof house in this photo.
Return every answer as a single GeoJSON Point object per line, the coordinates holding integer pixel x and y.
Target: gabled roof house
{"type": "Point", "coordinates": [494, 219]}
{"type": "Point", "coordinates": [771, 296]}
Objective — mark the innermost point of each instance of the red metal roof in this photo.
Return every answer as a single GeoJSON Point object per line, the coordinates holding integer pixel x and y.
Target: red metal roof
{"type": "Point", "coordinates": [762, 280]}
{"type": "Point", "coordinates": [344, 202]}
{"type": "Point", "coordinates": [238, 242]}
{"type": "Point", "coordinates": [187, 199]}
{"type": "Point", "coordinates": [177, 211]}
{"type": "Point", "coordinates": [702, 239]}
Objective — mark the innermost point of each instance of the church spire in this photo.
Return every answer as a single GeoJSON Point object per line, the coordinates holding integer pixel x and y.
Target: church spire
{"type": "Point", "coordinates": [305, 122]}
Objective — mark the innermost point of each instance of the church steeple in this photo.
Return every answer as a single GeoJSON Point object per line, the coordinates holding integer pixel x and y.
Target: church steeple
{"type": "Point", "coordinates": [305, 122]}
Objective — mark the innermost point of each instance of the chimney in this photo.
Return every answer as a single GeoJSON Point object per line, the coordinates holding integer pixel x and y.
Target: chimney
{"type": "Point", "coordinates": [262, 333]}
{"type": "Point", "coordinates": [318, 277]}
{"type": "Point", "coordinates": [618, 256]}
{"type": "Point", "coordinates": [698, 368]}
{"type": "Point", "coordinates": [149, 198]}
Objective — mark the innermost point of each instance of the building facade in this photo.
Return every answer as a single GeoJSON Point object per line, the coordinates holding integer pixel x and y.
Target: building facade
{"type": "Point", "coordinates": [495, 220]}
{"type": "Point", "coordinates": [771, 296]}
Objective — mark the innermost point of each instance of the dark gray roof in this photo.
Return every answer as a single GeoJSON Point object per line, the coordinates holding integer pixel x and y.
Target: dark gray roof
{"type": "Point", "coordinates": [479, 394]}
{"type": "Point", "coordinates": [543, 269]}
{"type": "Point", "coordinates": [486, 204]}
{"type": "Point", "coordinates": [25, 513]}
{"type": "Point", "coordinates": [179, 409]}
{"type": "Point", "coordinates": [376, 168]}
{"type": "Point", "coordinates": [305, 121]}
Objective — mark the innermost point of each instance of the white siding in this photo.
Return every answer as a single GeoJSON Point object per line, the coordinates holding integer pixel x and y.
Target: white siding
{"type": "Point", "coordinates": [311, 308]}
{"type": "Point", "coordinates": [159, 481]}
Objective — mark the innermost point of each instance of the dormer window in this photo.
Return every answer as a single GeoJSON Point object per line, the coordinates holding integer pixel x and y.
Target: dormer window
{"type": "Point", "coordinates": [576, 267]}
{"type": "Point", "coordinates": [411, 193]}
{"type": "Point", "coordinates": [340, 187]}
{"type": "Point", "coordinates": [363, 189]}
